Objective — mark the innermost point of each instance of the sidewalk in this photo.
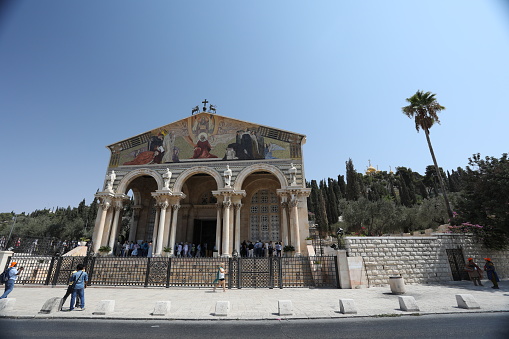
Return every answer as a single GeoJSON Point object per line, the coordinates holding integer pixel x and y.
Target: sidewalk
{"type": "Point", "coordinates": [257, 304]}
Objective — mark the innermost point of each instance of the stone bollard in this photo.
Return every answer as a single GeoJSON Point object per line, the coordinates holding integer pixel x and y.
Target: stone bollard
{"type": "Point", "coordinates": [467, 301]}
{"type": "Point", "coordinates": [105, 307]}
{"type": "Point", "coordinates": [222, 308]}
{"type": "Point", "coordinates": [397, 285]}
{"type": "Point", "coordinates": [408, 304]}
{"type": "Point", "coordinates": [285, 307]}
{"type": "Point", "coordinates": [161, 308]}
{"type": "Point", "coordinates": [7, 304]}
{"type": "Point", "coordinates": [51, 305]}
{"type": "Point", "coordinates": [347, 306]}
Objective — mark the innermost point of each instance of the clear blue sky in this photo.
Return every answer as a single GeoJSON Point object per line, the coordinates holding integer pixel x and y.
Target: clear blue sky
{"type": "Point", "coordinates": [76, 76]}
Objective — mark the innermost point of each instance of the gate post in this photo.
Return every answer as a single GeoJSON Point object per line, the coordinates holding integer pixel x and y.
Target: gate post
{"type": "Point", "coordinates": [91, 269]}
{"type": "Point", "coordinates": [239, 273]}
{"type": "Point", "coordinates": [168, 272]}
{"type": "Point", "coordinates": [336, 267]}
{"type": "Point", "coordinates": [271, 273]}
{"type": "Point", "coordinates": [57, 271]}
{"type": "Point", "coordinates": [50, 270]}
{"type": "Point", "coordinates": [230, 279]}
{"type": "Point", "coordinates": [280, 271]}
{"type": "Point", "coordinates": [147, 272]}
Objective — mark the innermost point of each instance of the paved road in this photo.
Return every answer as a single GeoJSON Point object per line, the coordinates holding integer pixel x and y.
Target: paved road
{"type": "Point", "coordinates": [258, 304]}
{"type": "Point", "coordinates": [464, 326]}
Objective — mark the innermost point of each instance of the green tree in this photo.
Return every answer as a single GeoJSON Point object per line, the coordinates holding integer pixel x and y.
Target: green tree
{"type": "Point", "coordinates": [424, 109]}
{"type": "Point", "coordinates": [485, 203]}
{"type": "Point", "coordinates": [352, 182]}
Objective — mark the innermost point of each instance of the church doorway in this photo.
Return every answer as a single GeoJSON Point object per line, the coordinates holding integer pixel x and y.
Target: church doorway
{"type": "Point", "coordinates": [205, 233]}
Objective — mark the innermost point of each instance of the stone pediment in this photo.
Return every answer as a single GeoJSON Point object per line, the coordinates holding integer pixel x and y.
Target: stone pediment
{"type": "Point", "coordinates": [206, 137]}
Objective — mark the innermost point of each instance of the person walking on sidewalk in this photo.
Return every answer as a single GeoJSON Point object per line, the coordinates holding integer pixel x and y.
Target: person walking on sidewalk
{"type": "Point", "coordinates": [80, 278]}
{"type": "Point", "coordinates": [13, 276]}
{"type": "Point", "coordinates": [474, 272]}
{"type": "Point", "coordinates": [220, 277]}
{"type": "Point", "coordinates": [489, 267]}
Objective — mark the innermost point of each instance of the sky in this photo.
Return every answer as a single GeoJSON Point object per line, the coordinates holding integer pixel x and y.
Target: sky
{"type": "Point", "coordinates": [76, 76]}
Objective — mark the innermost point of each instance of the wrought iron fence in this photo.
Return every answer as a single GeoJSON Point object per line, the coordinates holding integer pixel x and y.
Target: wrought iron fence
{"type": "Point", "coordinates": [271, 272]}
{"type": "Point", "coordinates": [29, 246]}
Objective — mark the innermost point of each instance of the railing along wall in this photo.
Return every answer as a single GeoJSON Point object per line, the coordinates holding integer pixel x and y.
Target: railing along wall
{"type": "Point", "coordinates": [271, 272]}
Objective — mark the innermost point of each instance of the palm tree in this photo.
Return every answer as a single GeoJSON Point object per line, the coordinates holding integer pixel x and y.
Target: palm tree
{"type": "Point", "coordinates": [424, 108]}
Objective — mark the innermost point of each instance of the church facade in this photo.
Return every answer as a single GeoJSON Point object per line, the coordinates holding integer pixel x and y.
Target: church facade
{"type": "Point", "coordinates": [206, 179]}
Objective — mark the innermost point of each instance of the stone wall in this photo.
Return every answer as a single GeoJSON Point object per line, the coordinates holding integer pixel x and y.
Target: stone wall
{"type": "Point", "coordinates": [419, 259]}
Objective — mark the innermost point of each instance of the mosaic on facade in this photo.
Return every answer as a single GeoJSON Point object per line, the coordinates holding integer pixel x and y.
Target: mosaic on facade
{"type": "Point", "coordinates": [206, 137]}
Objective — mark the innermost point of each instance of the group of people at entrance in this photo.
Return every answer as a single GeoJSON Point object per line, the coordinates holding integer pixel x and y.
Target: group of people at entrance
{"type": "Point", "coordinates": [476, 274]}
{"type": "Point", "coordinates": [260, 249]}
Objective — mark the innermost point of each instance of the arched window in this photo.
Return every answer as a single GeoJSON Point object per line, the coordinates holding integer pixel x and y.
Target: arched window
{"type": "Point", "coordinates": [264, 216]}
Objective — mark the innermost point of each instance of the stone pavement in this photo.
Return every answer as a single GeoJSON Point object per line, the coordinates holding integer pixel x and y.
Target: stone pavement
{"type": "Point", "coordinates": [258, 304]}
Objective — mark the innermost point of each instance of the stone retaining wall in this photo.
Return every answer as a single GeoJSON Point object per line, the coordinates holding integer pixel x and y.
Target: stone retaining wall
{"type": "Point", "coordinates": [419, 259]}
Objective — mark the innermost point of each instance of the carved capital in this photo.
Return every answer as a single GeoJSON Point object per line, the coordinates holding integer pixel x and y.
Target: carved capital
{"type": "Point", "coordinates": [175, 207]}
{"type": "Point", "coordinates": [293, 203]}
{"type": "Point", "coordinates": [227, 204]}
{"type": "Point", "coordinates": [105, 205]}
{"type": "Point", "coordinates": [237, 206]}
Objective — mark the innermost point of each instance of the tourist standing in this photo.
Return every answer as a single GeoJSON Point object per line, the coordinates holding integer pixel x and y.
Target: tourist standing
{"type": "Point", "coordinates": [80, 278]}
{"type": "Point", "coordinates": [474, 272]}
{"type": "Point", "coordinates": [489, 267]}
{"type": "Point", "coordinates": [13, 276]}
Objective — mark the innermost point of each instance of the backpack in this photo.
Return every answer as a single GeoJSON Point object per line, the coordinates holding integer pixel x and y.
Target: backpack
{"type": "Point", "coordinates": [4, 277]}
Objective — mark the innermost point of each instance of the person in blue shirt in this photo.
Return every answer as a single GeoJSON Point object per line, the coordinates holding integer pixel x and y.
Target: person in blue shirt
{"type": "Point", "coordinates": [13, 275]}
{"type": "Point", "coordinates": [81, 279]}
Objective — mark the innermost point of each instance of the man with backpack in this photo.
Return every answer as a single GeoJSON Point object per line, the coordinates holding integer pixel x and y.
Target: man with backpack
{"type": "Point", "coordinates": [12, 275]}
{"type": "Point", "coordinates": [79, 280]}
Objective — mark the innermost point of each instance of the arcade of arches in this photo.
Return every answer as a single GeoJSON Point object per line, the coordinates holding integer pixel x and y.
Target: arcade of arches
{"type": "Point", "coordinates": [201, 208]}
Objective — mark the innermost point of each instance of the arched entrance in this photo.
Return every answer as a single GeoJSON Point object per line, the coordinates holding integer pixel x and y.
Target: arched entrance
{"type": "Point", "coordinates": [198, 214]}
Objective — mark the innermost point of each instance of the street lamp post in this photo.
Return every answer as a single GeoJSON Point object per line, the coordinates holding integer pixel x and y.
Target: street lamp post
{"type": "Point", "coordinates": [10, 233]}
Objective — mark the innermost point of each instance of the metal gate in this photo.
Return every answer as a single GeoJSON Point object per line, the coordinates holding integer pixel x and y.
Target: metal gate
{"type": "Point", "coordinates": [457, 264]}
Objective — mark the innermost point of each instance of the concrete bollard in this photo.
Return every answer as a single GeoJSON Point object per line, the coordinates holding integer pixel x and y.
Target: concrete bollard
{"type": "Point", "coordinates": [222, 308]}
{"type": "Point", "coordinates": [161, 308]}
{"type": "Point", "coordinates": [347, 306]}
{"type": "Point", "coordinates": [467, 301]}
{"type": "Point", "coordinates": [51, 305]}
{"type": "Point", "coordinates": [285, 307]}
{"type": "Point", "coordinates": [408, 304]}
{"type": "Point", "coordinates": [105, 307]}
{"type": "Point", "coordinates": [397, 285]}
{"type": "Point", "coordinates": [7, 304]}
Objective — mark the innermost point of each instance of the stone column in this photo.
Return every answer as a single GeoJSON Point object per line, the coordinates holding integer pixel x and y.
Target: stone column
{"type": "Point", "coordinates": [100, 229]}
{"type": "Point", "coordinates": [173, 232]}
{"type": "Point", "coordinates": [284, 222]}
{"type": "Point", "coordinates": [156, 224]}
{"type": "Point", "coordinates": [226, 228]}
{"type": "Point", "coordinates": [160, 230]}
{"type": "Point", "coordinates": [295, 225]}
{"type": "Point", "coordinates": [114, 227]}
{"type": "Point", "coordinates": [190, 226]}
{"type": "Point", "coordinates": [238, 206]}
{"type": "Point", "coordinates": [218, 228]}
{"type": "Point", "coordinates": [167, 228]}
{"type": "Point", "coordinates": [134, 222]}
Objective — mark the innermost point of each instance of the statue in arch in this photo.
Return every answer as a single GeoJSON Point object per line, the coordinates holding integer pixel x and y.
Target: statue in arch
{"type": "Point", "coordinates": [167, 178]}
{"type": "Point", "coordinates": [111, 179]}
{"type": "Point", "coordinates": [227, 176]}
{"type": "Point", "coordinates": [293, 174]}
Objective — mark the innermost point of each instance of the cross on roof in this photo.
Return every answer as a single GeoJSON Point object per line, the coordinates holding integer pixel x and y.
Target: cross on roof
{"type": "Point", "coordinates": [205, 102]}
